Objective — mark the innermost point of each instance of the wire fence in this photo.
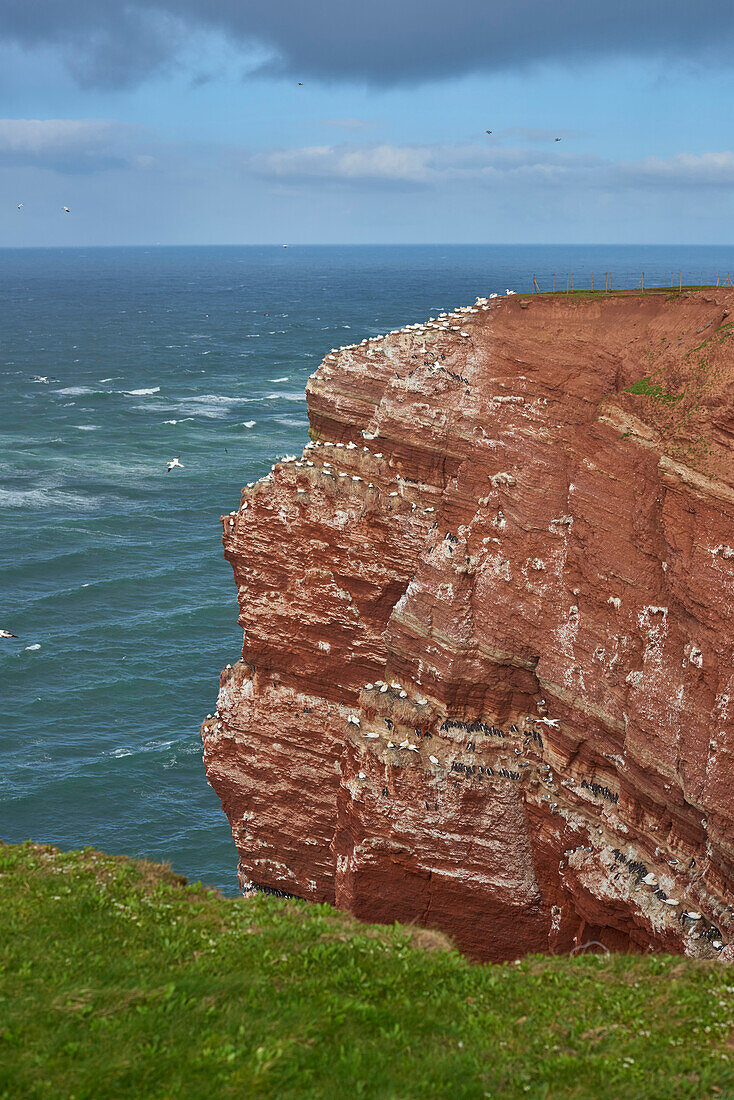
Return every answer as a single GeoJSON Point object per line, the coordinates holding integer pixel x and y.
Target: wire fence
{"type": "Point", "coordinates": [574, 282]}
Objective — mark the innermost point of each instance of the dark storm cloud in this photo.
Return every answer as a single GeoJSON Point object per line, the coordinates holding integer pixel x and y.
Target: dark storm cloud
{"type": "Point", "coordinates": [383, 42]}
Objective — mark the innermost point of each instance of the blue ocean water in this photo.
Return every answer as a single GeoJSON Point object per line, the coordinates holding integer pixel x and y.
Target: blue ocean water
{"type": "Point", "coordinates": [111, 569]}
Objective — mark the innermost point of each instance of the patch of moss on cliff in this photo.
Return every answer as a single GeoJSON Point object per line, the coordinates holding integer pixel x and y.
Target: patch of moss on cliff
{"type": "Point", "coordinates": [120, 980]}
{"type": "Point", "coordinates": [654, 391]}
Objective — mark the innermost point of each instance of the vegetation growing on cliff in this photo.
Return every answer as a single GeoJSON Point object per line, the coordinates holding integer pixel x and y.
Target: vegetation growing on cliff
{"type": "Point", "coordinates": [655, 391]}
{"type": "Point", "coordinates": [118, 979]}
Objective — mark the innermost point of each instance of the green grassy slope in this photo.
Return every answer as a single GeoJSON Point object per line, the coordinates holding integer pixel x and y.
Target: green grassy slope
{"type": "Point", "coordinates": [118, 980]}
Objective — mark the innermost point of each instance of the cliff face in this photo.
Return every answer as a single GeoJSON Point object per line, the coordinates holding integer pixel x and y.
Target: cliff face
{"type": "Point", "coordinates": [486, 681]}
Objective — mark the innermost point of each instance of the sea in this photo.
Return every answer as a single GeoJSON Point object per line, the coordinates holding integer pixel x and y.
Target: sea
{"type": "Point", "coordinates": [113, 362]}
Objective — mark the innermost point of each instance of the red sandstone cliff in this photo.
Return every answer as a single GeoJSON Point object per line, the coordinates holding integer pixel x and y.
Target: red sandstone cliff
{"type": "Point", "coordinates": [486, 681]}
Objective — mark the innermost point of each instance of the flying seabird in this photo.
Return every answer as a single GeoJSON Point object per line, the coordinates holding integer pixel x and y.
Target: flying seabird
{"type": "Point", "coordinates": [175, 463]}
{"type": "Point", "coordinates": [66, 209]}
{"type": "Point", "coordinates": [557, 139]}
{"type": "Point", "coordinates": [7, 634]}
{"type": "Point", "coordinates": [488, 131]}
{"type": "Point", "coordinates": [20, 205]}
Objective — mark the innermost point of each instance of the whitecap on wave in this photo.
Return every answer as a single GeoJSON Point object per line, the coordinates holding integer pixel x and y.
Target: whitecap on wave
{"type": "Point", "coordinates": [143, 392]}
{"type": "Point", "coordinates": [301, 396]}
{"type": "Point", "coordinates": [212, 405]}
{"type": "Point", "coordinates": [283, 379]}
{"type": "Point", "coordinates": [45, 498]}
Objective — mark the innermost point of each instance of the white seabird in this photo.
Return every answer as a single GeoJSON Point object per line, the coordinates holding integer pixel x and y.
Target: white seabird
{"type": "Point", "coordinates": [66, 209]}
{"type": "Point", "coordinates": [7, 634]}
{"type": "Point", "coordinates": [175, 463]}
{"type": "Point", "coordinates": [433, 759]}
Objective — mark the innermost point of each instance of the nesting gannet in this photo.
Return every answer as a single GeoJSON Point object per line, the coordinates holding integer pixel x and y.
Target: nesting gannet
{"type": "Point", "coordinates": [650, 880]}
{"type": "Point", "coordinates": [433, 759]}
{"type": "Point", "coordinates": [175, 463]}
{"type": "Point", "coordinates": [7, 634]}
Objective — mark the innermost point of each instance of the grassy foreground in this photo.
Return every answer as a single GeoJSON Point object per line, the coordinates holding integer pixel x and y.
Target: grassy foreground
{"type": "Point", "coordinates": [118, 980]}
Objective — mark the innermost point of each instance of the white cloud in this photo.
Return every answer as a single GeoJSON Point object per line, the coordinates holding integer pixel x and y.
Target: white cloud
{"type": "Point", "coordinates": [438, 164]}
{"type": "Point", "coordinates": [705, 169]}
{"type": "Point", "coordinates": [67, 144]}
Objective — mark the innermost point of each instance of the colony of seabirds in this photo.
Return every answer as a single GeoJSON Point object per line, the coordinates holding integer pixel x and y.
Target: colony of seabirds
{"type": "Point", "coordinates": [643, 876]}
{"type": "Point", "coordinates": [692, 920]}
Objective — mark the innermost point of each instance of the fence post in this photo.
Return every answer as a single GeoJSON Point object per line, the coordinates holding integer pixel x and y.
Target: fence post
{"type": "Point", "coordinates": [572, 282]}
{"type": "Point", "coordinates": [680, 282]}
{"type": "Point", "coordinates": [702, 278]}
{"type": "Point", "coordinates": [592, 282]}
{"type": "Point", "coordinates": [628, 280]}
{"type": "Point", "coordinates": [566, 282]}
{"type": "Point", "coordinates": [554, 284]}
{"type": "Point", "coordinates": [718, 279]}
{"type": "Point", "coordinates": [643, 282]}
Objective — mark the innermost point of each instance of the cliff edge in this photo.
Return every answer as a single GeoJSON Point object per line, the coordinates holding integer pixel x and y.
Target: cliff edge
{"type": "Point", "coordinates": [486, 680]}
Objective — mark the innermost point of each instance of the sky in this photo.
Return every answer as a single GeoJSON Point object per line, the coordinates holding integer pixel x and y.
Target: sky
{"type": "Point", "coordinates": [340, 121]}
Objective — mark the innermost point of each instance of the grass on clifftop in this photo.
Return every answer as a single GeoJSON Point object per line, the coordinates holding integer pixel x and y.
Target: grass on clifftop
{"type": "Point", "coordinates": [120, 981]}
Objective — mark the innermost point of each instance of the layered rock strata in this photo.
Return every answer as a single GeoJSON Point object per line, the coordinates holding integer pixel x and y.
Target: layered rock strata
{"type": "Point", "coordinates": [486, 680]}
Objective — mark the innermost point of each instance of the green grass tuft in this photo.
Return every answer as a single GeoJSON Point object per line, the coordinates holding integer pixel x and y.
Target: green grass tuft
{"type": "Point", "coordinates": [654, 390]}
{"type": "Point", "coordinates": [119, 980]}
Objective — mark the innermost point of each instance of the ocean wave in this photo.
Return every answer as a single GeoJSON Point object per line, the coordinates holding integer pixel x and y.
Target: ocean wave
{"type": "Point", "coordinates": [87, 427]}
{"type": "Point", "coordinates": [181, 421]}
{"type": "Point", "coordinates": [143, 392]}
{"type": "Point", "coordinates": [283, 379]}
{"type": "Point", "coordinates": [45, 498]}
{"type": "Point", "coordinates": [213, 406]}
{"type": "Point", "coordinates": [300, 396]}
{"type": "Point", "coordinates": [249, 423]}
{"type": "Point", "coordinates": [76, 391]}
